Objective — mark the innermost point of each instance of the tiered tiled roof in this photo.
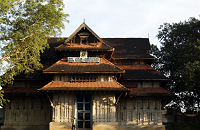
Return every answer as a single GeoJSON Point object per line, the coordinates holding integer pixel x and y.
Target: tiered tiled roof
{"type": "Point", "coordinates": [124, 47]}
{"type": "Point", "coordinates": [141, 72]}
{"type": "Point", "coordinates": [104, 66]}
{"type": "Point", "coordinates": [84, 86]}
{"type": "Point", "coordinates": [121, 48]}
{"type": "Point", "coordinates": [149, 92]}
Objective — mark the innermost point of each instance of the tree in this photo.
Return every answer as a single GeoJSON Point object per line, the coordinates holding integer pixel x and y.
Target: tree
{"type": "Point", "coordinates": [25, 26]}
{"type": "Point", "coordinates": [179, 59]}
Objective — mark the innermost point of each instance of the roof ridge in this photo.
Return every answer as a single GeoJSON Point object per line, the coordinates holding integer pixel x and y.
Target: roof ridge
{"type": "Point", "coordinates": [112, 64]}
{"type": "Point", "coordinates": [46, 85]}
{"type": "Point", "coordinates": [121, 85]}
{"type": "Point", "coordinates": [108, 45]}
{"type": "Point", "coordinates": [83, 25]}
{"type": "Point", "coordinates": [58, 46]}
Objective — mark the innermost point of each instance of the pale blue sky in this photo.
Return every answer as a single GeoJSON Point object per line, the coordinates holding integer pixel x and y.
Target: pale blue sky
{"type": "Point", "coordinates": [128, 18]}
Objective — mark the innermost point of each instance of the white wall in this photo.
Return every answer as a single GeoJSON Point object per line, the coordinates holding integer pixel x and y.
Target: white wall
{"type": "Point", "coordinates": [139, 111]}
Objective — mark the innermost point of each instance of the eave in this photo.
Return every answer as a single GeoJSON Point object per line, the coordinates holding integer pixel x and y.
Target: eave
{"type": "Point", "coordinates": [82, 72]}
{"type": "Point", "coordinates": [84, 86]}
{"type": "Point", "coordinates": [149, 79]}
{"type": "Point", "coordinates": [145, 58]}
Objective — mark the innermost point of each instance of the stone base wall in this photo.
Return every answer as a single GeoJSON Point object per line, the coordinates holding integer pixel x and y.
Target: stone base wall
{"type": "Point", "coordinates": [105, 126]}
{"type": "Point", "coordinates": [60, 126]}
{"type": "Point", "coordinates": [39, 127]}
{"type": "Point", "coordinates": [127, 127]}
{"type": "Point", "coordinates": [142, 127]}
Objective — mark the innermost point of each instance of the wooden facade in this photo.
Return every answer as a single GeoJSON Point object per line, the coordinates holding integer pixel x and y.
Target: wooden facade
{"type": "Point", "coordinates": [89, 83]}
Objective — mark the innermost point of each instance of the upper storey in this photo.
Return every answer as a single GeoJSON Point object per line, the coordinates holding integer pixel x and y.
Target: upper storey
{"type": "Point", "coordinates": [84, 38]}
{"type": "Point", "coordinates": [117, 50]}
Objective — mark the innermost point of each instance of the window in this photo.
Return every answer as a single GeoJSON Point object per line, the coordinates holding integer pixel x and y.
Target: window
{"type": "Point", "coordinates": [84, 78]}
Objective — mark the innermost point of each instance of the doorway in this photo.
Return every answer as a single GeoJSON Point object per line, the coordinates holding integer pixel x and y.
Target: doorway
{"type": "Point", "coordinates": [84, 111]}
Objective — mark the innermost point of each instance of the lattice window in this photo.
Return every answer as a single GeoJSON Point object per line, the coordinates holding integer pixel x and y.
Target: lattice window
{"type": "Point", "coordinates": [83, 78]}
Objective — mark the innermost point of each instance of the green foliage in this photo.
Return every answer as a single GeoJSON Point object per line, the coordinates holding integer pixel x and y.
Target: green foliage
{"type": "Point", "coordinates": [25, 26]}
{"type": "Point", "coordinates": [179, 57]}
{"type": "Point", "coordinates": [2, 100]}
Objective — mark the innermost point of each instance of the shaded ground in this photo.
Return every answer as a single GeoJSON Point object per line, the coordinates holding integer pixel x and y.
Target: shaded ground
{"type": "Point", "coordinates": [182, 126]}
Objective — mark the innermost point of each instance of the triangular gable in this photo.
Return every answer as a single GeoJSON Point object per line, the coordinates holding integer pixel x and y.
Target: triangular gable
{"type": "Point", "coordinates": [83, 25]}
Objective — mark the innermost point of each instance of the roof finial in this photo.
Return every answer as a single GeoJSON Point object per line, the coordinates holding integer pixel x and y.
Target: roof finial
{"type": "Point", "coordinates": [84, 20]}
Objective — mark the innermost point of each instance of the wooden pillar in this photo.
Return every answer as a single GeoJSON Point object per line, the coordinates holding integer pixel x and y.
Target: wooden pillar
{"type": "Point", "coordinates": [97, 44]}
{"type": "Point", "coordinates": [74, 40]}
{"type": "Point", "coordinates": [80, 41]}
{"type": "Point", "coordinates": [87, 41]}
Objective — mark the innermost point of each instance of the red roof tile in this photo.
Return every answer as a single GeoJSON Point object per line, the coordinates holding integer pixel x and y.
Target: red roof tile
{"type": "Point", "coordinates": [84, 86]}
{"type": "Point", "coordinates": [62, 66]}
{"type": "Point", "coordinates": [124, 47]}
{"type": "Point", "coordinates": [129, 47]}
{"type": "Point", "coordinates": [83, 46]}
{"type": "Point", "coordinates": [149, 92]}
{"type": "Point", "coordinates": [136, 67]}
{"type": "Point", "coordinates": [141, 72]}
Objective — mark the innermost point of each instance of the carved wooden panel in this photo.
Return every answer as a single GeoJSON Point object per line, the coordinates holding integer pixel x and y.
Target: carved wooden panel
{"type": "Point", "coordinates": [21, 112]}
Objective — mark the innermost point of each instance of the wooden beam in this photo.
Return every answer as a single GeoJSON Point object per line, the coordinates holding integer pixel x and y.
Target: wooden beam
{"type": "Point", "coordinates": [116, 103]}
{"type": "Point", "coordinates": [49, 99]}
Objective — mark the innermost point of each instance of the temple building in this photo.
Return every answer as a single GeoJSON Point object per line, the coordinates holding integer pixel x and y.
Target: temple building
{"type": "Point", "coordinates": [89, 83]}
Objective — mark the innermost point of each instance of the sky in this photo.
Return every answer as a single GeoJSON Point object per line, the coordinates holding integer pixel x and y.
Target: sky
{"type": "Point", "coordinates": [128, 18]}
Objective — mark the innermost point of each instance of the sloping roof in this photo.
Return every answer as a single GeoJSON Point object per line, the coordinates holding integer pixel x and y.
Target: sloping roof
{"type": "Point", "coordinates": [62, 66]}
{"type": "Point", "coordinates": [141, 72]}
{"type": "Point", "coordinates": [83, 25]}
{"type": "Point", "coordinates": [53, 42]}
{"type": "Point", "coordinates": [84, 86]}
{"type": "Point", "coordinates": [149, 92]}
{"type": "Point", "coordinates": [37, 75]}
{"type": "Point", "coordinates": [77, 46]}
{"type": "Point", "coordinates": [129, 47]}
{"type": "Point", "coordinates": [131, 54]}
{"type": "Point", "coordinates": [20, 91]}
{"type": "Point", "coordinates": [124, 47]}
